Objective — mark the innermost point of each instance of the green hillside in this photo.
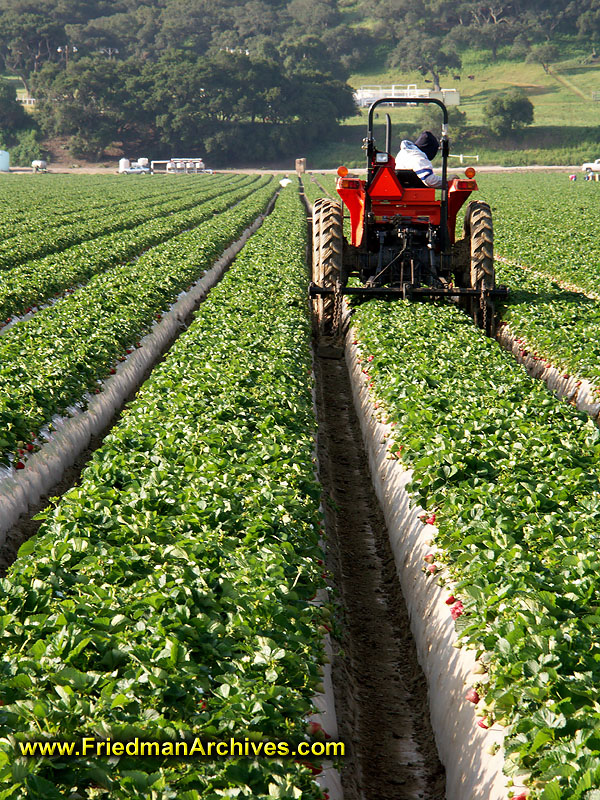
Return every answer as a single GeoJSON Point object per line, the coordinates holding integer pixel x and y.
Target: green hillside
{"type": "Point", "coordinates": [565, 128]}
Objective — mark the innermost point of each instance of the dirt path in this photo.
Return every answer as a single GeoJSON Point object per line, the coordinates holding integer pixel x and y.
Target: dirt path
{"type": "Point", "coordinates": [381, 695]}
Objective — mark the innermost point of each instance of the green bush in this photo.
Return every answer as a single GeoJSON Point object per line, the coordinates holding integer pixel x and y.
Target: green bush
{"type": "Point", "coordinates": [27, 148]}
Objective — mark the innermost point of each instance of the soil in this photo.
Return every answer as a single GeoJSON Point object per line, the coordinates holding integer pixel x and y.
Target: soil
{"type": "Point", "coordinates": [381, 693]}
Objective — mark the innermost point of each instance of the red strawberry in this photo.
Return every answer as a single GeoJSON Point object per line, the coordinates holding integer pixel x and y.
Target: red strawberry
{"type": "Point", "coordinates": [314, 729]}
{"type": "Point", "coordinates": [483, 724]}
{"type": "Point", "coordinates": [457, 609]}
{"type": "Point", "coordinates": [430, 558]}
{"type": "Point", "coordinates": [370, 358]}
{"type": "Point", "coordinates": [451, 600]}
{"type": "Point", "coordinates": [19, 465]}
{"type": "Point", "coordinates": [472, 696]}
{"type": "Point", "coordinates": [29, 447]}
{"type": "Point", "coordinates": [432, 568]}
{"type": "Point", "coordinates": [430, 520]}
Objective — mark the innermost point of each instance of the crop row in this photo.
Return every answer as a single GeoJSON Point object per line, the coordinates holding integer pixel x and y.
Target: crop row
{"type": "Point", "coordinates": [55, 196]}
{"type": "Point", "coordinates": [313, 188]}
{"type": "Point", "coordinates": [30, 245]}
{"type": "Point", "coordinates": [34, 282]}
{"type": "Point", "coordinates": [514, 491]}
{"type": "Point", "coordinates": [547, 222]}
{"type": "Point", "coordinates": [41, 219]}
{"type": "Point", "coordinates": [49, 361]}
{"type": "Point", "coordinates": [560, 326]}
{"type": "Point", "coordinates": [169, 595]}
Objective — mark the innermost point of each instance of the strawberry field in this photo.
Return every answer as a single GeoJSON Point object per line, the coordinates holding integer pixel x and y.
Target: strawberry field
{"type": "Point", "coordinates": [171, 592]}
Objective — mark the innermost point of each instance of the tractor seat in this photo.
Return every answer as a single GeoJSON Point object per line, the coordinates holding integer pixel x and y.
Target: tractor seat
{"type": "Point", "coordinates": [409, 179]}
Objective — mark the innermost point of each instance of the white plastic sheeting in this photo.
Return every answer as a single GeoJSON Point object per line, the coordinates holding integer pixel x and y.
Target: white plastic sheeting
{"type": "Point", "coordinates": [584, 395]}
{"type": "Point", "coordinates": [19, 490]}
{"type": "Point", "coordinates": [471, 771]}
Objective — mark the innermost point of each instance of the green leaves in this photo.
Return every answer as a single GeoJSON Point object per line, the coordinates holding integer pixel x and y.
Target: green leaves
{"type": "Point", "coordinates": [514, 480]}
{"type": "Point", "coordinates": [169, 596]}
{"type": "Point", "coordinates": [52, 359]}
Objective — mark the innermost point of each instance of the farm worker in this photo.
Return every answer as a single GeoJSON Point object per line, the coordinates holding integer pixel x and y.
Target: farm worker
{"type": "Point", "coordinates": [418, 156]}
{"type": "Point", "coordinates": [284, 181]}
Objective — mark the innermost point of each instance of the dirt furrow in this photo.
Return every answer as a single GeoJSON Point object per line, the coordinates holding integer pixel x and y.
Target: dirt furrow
{"type": "Point", "coordinates": [381, 694]}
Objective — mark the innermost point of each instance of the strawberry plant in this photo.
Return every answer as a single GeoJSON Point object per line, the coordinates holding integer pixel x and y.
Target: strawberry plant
{"type": "Point", "coordinates": [168, 594]}
{"type": "Point", "coordinates": [35, 239]}
{"type": "Point", "coordinates": [514, 476]}
{"type": "Point", "coordinates": [546, 222]}
{"type": "Point", "coordinates": [50, 360]}
{"type": "Point", "coordinates": [34, 282]}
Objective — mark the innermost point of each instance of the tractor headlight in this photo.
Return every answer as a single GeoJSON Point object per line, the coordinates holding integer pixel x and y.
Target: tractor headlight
{"type": "Point", "coordinates": [381, 158]}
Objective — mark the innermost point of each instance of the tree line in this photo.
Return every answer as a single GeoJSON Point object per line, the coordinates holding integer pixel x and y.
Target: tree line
{"type": "Point", "coordinates": [242, 82]}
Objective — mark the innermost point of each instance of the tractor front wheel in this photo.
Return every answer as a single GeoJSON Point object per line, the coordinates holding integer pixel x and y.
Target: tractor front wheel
{"type": "Point", "coordinates": [480, 233]}
{"type": "Point", "coordinates": [327, 267]}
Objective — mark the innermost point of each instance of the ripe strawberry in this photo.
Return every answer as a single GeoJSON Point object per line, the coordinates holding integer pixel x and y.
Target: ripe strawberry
{"type": "Point", "coordinates": [370, 358]}
{"type": "Point", "coordinates": [457, 609]}
{"type": "Point", "coordinates": [29, 447]}
{"type": "Point", "coordinates": [483, 724]}
{"type": "Point", "coordinates": [19, 465]}
{"type": "Point", "coordinates": [450, 600]}
{"type": "Point", "coordinates": [472, 695]}
{"type": "Point", "coordinates": [314, 729]}
{"type": "Point", "coordinates": [113, 371]}
{"type": "Point", "coordinates": [430, 520]}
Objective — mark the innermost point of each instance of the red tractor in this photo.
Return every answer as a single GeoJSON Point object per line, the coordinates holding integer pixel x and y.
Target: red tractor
{"type": "Point", "coordinates": [403, 242]}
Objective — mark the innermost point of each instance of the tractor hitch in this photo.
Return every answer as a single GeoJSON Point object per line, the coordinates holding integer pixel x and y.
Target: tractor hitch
{"type": "Point", "coordinates": [408, 291]}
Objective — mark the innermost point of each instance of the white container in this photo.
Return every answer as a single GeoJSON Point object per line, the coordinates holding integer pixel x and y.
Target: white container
{"type": "Point", "coordinates": [124, 164]}
{"type": "Point", "coordinates": [143, 162]}
{"type": "Point", "coordinates": [4, 161]}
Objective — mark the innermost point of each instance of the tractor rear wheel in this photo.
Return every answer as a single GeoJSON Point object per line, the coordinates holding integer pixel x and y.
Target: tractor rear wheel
{"type": "Point", "coordinates": [327, 267]}
{"type": "Point", "coordinates": [479, 232]}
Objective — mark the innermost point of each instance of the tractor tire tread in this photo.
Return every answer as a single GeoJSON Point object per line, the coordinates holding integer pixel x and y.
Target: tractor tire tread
{"type": "Point", "coordinates": [328, 243]}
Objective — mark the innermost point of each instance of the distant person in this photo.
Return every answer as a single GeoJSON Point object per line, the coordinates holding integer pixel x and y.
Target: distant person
{"type": "Point", "coordinates": [418, 156]}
